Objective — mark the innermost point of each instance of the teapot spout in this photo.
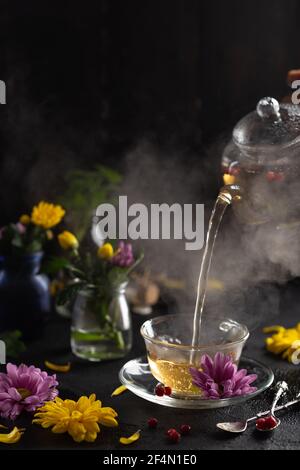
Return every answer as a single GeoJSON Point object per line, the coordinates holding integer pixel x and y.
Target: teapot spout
{"type": "Point", "coordinates": [230, 193]}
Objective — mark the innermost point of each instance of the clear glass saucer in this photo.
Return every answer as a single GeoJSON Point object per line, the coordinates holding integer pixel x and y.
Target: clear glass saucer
{"type": "Point", "coordinates": [137, 377]}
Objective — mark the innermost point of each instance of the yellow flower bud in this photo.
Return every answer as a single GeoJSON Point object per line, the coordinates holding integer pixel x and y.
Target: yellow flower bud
{"type": "Point", "coordinates": [106, 251]}
{"type": "Point", "coordinates": [49, 234]}
{"type": "Point", "coordinates": [228, 179]}
{"type": "Point", "coordinates": [68, 241]}
{"type": "Point", "coordinates": [25, 219]}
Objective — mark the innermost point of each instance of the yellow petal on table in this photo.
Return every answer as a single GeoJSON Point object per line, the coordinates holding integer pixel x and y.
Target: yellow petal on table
{"type": "Point", "coordinates": [11, 437]}
{"type": "Point", "coordinates": [130, 439]}
{"type": "Point", "coordinates": [119, 390]}
{"type": "Point", "coordinates": [58, 367]}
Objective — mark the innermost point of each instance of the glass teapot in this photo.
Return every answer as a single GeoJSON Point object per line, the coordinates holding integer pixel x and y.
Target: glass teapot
{"type": "Point", "coordinates": [263, 158]}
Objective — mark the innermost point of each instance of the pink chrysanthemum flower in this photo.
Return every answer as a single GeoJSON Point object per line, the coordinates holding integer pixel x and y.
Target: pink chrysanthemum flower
{"type": "Point", "coordinates": [124, 256]}
{"type": "Point", "coordinates": [220, 378]}
{"type": "Point", "coordinates": [25, 388]}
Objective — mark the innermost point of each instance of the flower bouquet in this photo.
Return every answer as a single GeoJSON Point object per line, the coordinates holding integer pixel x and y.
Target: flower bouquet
{"type": "Point", "coordinates": [24, 292]}
{"type": "Point", "coordinates": [101, 324]}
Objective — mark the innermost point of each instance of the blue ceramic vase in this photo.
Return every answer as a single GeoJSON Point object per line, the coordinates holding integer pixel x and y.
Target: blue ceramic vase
{"type": "Point", "coordinates": [24, 295]}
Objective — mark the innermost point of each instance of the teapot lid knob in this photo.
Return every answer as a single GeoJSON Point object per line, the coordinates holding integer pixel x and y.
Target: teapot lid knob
{"type": "Point", "coordinates": [268, 108]}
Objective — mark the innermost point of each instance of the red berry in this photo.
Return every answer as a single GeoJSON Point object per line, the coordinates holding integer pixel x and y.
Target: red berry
{"type": "Point", "coordinates": [173, 436]}
{"type": "Point", "coordinates": [185, 429]}
{"type": "Point", "coordinates": [266, 424]}
{"type": "Point", "coordinates": [260, 423]}
{"type": "Point", "coordinates": [271, 176]}
{"type": "Point", "coordinates": [159, 390]}
{"type": "Point", "coordinates": [279, 176]}
{"type": "Point", "coordinates": [152, 423]}
{"type": "Point", "coordinates": [270, 422]}
{"type": "Point", "coordinates": [275, 176]}
{"type": "Point", "coordinates": [168, 391]}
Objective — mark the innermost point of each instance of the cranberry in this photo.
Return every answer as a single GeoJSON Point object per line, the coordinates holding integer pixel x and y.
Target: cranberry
{"type": "Point", "coordinates": [152, 423]}
{"type": "Point", "coordinates": [266, 424]}
{"type": "Point", "coordinates": [275, 176]}
{"type": "Point", "coordinates": [185, 429]}
{"type": "Point", "coordinates": [271, 176]}
{"type": "Point", "coordinates": [160, 390]}
{"type": "Point", "coordinates": [270, 422]}
{"type": "Point", "coordinates": [173, 436]}
{"type": "Point", "coordinates": [279, 176]}
{"type": "Point", "coordinates": [168, 391]}
{"type": "Point", "coordinates": [260, 423]}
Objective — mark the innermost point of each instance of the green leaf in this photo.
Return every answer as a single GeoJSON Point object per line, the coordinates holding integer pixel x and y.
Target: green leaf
{"type": "Point", "coordinates": [55, 264]}
{"type": "Point", "coordinates": [69, 292]}
{"type": "Point", "coordinates": [109, 174]}
{"type": "Point", "coordinates": [79, 336]}
{"type": "Point", "coordinates": [76, 271]}
{"type": "Point", "coordinates": [13, 342]}
{"type": "Point", "coordinates": [85, 190]}
{"type": "Point", "coordinates": [17, 241]}
{"type": "Point", "coordinates": [34, 246]}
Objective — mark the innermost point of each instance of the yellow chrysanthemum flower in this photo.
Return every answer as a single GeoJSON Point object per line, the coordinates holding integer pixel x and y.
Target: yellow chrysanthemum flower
{"type": "Point", "coordinates": [283, 341]}
{"type": "Point", "coordinates": [25, 219]}
{"type": "Point", "coordinates": [47, 215]}
{"type": "Point", "coordinates": [79, 419]}
{"type": "Point", "coordinates": [68, 241]}
{"type": "Point", "coordinates": [106, 251]}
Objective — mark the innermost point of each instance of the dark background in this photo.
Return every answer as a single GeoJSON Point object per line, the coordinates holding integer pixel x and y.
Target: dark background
{"type": "Point", "coordinates": [87, 81]}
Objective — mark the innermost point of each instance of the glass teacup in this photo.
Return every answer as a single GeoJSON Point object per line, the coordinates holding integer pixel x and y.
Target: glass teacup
{"type": "Point", "coordinates": [170, 354]}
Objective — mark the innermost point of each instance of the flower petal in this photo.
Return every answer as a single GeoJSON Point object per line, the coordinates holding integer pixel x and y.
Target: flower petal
{"type": "Point", "coordinates": [119, 390]}
{"type": "Point", "coordinates": [12, 437]}
{"type": "Point", "coordinates": [108, 421]}
{"type": "Point", "coordinates": [58, 367]}
{"type": "Point", "coordinates": [129, 440]}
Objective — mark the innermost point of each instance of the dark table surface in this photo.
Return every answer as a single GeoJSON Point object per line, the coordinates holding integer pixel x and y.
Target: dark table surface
{"type": "Point", "coordinates": [102, 378]}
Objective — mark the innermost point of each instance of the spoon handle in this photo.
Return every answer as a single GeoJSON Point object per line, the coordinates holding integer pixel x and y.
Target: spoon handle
{"type": "Point", "coordinates": [282, 388]}
{"type": "Point", "coordinates": [278, 408]}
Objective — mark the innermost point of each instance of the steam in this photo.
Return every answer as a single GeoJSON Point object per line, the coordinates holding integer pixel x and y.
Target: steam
{"type": "Point", "coordinates": [153, 175]}
{"type": "Point", "coordinates": [250, 260]}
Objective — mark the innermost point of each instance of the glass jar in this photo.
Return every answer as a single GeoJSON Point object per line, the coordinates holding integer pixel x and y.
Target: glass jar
{"type": "Point", "coordinates": [101, 327]}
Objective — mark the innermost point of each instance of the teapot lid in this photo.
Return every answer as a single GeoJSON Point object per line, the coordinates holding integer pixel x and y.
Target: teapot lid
{"type": "Point", "coordinates": [271, 124]}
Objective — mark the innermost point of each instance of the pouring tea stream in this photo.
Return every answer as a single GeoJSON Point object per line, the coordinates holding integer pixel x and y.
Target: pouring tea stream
{"type": "Point", "coordinates": [226, 196]}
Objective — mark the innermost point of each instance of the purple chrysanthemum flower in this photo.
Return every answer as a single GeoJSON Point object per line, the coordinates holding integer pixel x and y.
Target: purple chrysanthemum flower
{"type": "Point", "coordinates": [220, 378]}
{"type": "Point", "coordinates": [24, 388]}
{"type": "Point", "coordinates": [124, 256]}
